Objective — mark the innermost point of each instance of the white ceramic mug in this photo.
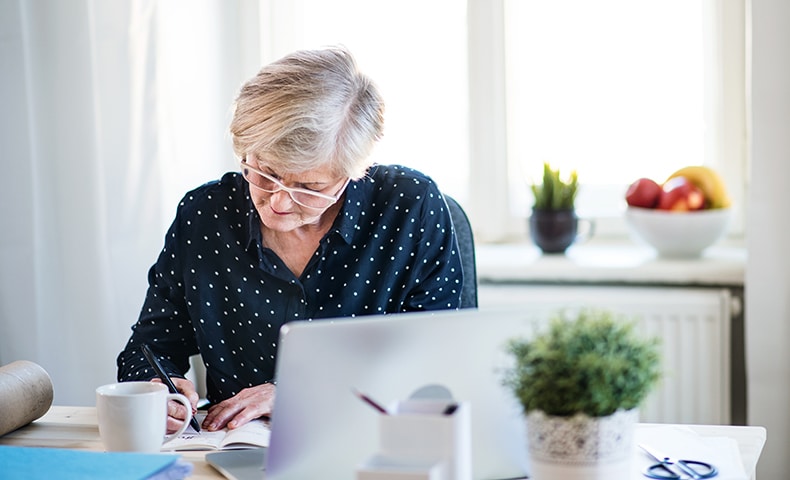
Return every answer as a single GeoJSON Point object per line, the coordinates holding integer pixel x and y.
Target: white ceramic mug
{"type": "Point", "coordinates": [133, 416]}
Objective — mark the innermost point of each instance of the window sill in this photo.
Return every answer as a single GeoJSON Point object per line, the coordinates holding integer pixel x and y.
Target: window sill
{"type": "Point", "coordinates": [609, 263]}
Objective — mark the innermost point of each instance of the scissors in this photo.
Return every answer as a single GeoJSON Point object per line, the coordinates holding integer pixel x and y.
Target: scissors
{"type": "Point", "coordinates": [670, 468]}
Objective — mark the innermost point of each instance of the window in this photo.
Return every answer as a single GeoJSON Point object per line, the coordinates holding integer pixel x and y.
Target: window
{"type": "Point", "coordinates": [604, 88]}
{"type": "Point", "coordinates": [615, 89]}
{"type": "Point", "coordinates": [480, 93]}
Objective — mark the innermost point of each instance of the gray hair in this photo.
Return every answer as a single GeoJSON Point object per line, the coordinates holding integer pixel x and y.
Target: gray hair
{"type": "Point", "coordinates": [307, 109]}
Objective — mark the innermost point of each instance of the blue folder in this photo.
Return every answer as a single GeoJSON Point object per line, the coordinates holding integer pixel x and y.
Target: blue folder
{"type": "Point", "coordinates": [33, 463]}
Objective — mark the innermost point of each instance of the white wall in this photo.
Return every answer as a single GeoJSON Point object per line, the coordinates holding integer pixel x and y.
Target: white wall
{"type": "Point", "coordinates": [768, 236]}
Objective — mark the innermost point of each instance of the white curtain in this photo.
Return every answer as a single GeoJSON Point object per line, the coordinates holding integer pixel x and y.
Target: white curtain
{"type": "Point", "coordinates": [102, 128]}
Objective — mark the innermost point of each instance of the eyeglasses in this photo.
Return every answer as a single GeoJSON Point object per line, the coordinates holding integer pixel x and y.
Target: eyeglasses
{"type": "Point", "coordinates": [301, 196]}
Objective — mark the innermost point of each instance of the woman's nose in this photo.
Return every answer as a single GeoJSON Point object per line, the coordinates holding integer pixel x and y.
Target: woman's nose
{"type": "Point", "coordinates": [281, 200]}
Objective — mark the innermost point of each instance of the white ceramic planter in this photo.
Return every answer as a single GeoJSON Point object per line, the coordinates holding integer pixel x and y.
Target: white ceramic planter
{"type": "Point", "coordinates": [581, 447]}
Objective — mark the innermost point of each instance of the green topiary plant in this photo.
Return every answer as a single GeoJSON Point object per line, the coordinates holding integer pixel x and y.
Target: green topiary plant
{"type": "Point", "coordinates": [592, 363]}
{"type": "Point", "coordinates": [554, 193]}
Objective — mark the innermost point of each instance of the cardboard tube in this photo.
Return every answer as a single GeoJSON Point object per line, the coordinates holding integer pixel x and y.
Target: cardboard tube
{"type": "Point", "coordinates": [25, 394]}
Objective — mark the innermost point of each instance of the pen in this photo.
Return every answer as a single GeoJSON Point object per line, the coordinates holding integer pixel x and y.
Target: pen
{"type": "Point", "coordinates": [149, 355]}
{"type": "Point", "coordinates": [370, 401]}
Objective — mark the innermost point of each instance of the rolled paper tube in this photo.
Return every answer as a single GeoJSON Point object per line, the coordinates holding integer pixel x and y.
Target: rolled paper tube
{"type": "Point", "coordinates": [25, 394]}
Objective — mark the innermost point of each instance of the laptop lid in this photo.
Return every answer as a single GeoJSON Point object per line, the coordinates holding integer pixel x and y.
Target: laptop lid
{"type": "Point", "coordinates": [320, 429]}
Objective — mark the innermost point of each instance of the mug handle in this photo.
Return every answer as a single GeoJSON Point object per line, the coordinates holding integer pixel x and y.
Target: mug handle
{"type": "Point", "coordinates": [586, 230]}
{"type": "Point", "coordinates": [185, 402]}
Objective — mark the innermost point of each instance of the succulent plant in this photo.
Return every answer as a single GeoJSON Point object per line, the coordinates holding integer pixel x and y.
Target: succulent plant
{"type": "Point", "coordinates": [554, 193]}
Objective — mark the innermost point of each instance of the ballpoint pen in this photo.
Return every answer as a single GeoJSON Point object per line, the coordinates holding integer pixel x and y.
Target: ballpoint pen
{"type": "Point", "coordinates": [370, 401]}
{"type": "Point", "coordinates": [149, 355]}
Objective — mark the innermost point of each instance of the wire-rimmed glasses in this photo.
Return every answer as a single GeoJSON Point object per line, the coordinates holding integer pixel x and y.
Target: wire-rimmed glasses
{"type": "Point", "coordinates": [301, 196]}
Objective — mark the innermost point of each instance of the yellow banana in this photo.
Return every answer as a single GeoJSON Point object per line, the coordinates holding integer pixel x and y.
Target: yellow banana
{"type": "Point", "coordinates": [707, 180]}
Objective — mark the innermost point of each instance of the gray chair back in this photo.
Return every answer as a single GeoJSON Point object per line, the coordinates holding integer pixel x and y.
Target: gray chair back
{"type": "Point", "coordinates": [466, 246]}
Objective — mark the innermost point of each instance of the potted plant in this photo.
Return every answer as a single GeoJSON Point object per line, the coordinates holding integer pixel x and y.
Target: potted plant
{"type": "Point", "coordinates": [553, 224]}
{"type": "Point", "coordinates": [580, 384]}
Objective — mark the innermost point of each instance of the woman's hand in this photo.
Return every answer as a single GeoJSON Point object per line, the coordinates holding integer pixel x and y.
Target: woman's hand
{"type": "Point", "coordinates": [175, 411]}
{"type": "Point", "coordinates": [249, 404]}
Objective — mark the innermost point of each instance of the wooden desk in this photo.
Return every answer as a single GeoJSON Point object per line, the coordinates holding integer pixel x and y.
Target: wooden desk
{"type": "Point", "coordinates": [76, 428]}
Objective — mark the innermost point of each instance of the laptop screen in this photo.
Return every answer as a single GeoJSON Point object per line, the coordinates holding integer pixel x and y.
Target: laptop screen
{"type": "Point", "coordinates": [321, 429]}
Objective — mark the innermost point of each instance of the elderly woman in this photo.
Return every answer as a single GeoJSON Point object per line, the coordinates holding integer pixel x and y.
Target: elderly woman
{"type": "Point", "coordinates": [309, 229]}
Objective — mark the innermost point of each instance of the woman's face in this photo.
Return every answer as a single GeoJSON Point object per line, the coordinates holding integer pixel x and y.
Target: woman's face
{"type": "Point", "coordinates": [278, 210]}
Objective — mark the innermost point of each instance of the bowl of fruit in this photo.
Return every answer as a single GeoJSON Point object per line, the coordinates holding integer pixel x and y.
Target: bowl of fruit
{"type": "Point", "coordinates": [682, 216]}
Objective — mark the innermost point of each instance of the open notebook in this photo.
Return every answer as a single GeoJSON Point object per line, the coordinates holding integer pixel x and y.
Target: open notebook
{"type": "Point", "coordinates": [254, 434]}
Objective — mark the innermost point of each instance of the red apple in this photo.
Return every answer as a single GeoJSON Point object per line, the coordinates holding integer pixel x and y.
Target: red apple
{"type": "Point", "coordinates": [680, 195]}
{"type": "Point", "coordinates": [643, 193]}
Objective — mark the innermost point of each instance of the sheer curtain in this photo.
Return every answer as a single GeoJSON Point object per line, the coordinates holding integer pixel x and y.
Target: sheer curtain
{"type": "Point", "coordinates": [90, 91]}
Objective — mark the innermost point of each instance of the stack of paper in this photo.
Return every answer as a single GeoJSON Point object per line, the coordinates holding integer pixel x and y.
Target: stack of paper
{"type": "Point", "coordinates": [682, 443]}
{"type": "Point", "coordinates": [30, 463]}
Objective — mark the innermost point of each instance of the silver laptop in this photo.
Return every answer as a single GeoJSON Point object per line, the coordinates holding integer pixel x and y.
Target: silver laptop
{"type": "Point", "coordinates": [320, 429]}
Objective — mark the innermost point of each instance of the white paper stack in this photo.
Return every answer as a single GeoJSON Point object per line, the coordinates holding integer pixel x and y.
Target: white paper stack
{"type": "Point", "coordinates": [680, 442]}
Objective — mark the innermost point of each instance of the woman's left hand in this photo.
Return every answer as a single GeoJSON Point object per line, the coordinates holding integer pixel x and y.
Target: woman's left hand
{"type": "Point", "coordinates": [249, 404]}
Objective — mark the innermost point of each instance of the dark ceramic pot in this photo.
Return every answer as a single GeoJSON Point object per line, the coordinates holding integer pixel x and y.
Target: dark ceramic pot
{"type": "Point", "coordinates": [553, 231]}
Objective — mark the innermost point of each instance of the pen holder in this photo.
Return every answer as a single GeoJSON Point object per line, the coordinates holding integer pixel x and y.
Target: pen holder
{"type": "Point", "coordinates": [422, 440]}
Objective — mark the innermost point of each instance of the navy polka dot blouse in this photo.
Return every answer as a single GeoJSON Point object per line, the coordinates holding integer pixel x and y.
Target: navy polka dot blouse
{"type": "Point", "coordinates": [215, 290]}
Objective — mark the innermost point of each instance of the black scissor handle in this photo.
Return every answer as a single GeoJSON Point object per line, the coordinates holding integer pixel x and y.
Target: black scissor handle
{"type": "Point", "coordinates": [693, 468]}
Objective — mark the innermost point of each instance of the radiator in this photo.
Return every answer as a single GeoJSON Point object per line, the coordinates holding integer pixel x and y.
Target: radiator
{"type": "Point", "coordinates": [692, 323]}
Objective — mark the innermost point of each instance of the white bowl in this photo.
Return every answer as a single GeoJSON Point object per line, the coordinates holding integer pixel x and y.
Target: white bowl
{"type": "Point", "coordinates": [678, 234]}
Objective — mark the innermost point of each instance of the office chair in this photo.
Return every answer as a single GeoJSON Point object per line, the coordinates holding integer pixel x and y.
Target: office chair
{"type": "Point", "coordinates": [466, 247]}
